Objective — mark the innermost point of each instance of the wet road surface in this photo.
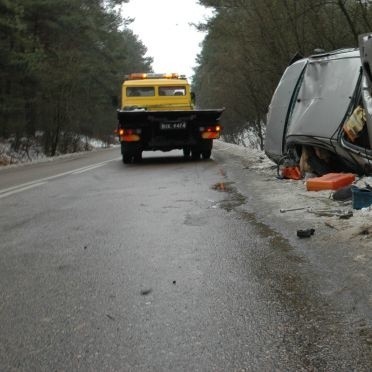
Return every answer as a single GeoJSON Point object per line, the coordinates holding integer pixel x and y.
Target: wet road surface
{"type": "Point", "coordinates": [159, 266]}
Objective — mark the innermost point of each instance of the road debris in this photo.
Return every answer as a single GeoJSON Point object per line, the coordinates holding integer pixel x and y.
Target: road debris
{"type": "Point", "coordinates": [361, 197]}
{"type": "Point", "coordinates": [284, 210]}
{"type": "Point", "coordinates": [342, 194]}
{"type": "Point", "coordinates": [343, 214]}
{"type": "Point", "coordinates": [305, 233]}
{"type": "Point", "coordinates": [110, 317]}
{"type": "Point", "coordinates": [145, 292]}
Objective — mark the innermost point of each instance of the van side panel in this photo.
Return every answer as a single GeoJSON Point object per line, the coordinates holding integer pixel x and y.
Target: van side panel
{"type": "Point", "coordinates": [278, 110]}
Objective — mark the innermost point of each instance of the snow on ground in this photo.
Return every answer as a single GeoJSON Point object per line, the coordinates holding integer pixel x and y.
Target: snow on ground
{"type": "Point", "coordinates": [11, 159]}
{"type": "Point", "coordinates": [318, 209]}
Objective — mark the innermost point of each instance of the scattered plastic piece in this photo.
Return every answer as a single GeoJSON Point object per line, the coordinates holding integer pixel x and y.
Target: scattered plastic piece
{"type": "Point", "coordinates": [292, 173]}
{"type": "Point", "coordinates": [361, 197]}
{"type": "Point", "coordinates": [330, 181]}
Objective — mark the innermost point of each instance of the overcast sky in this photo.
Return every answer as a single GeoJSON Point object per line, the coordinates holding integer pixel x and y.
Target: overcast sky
{"type": "Point", "coordinates": [164, 27]}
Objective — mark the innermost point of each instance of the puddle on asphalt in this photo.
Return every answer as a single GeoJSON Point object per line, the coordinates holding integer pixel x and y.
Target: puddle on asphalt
{"type": "Point", "coordinates": [234, 201]}
{"type": "Point", "coordinates": [235, 198]}
{"type": "Point", "coordinates": [265, 231]}
{"type": "Point", "coordinates": [223, 186]}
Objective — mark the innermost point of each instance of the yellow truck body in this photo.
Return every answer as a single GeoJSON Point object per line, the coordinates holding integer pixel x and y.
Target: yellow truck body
{"type": "Point", "coordinates": [157, 94]}
{"type": "Point", "coordinates": [157, 113]}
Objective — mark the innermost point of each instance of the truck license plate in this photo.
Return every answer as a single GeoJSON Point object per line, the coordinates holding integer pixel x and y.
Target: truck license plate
{"type": "Point", "coordinates": [177, 125]}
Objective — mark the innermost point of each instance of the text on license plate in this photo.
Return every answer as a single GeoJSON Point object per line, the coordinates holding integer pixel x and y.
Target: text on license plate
{"type": "Point", "coordinates": [177, 125]}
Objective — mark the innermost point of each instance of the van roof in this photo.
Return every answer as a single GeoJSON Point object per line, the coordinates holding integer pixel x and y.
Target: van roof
{"type": "Point", "coordinates": [336, 54]}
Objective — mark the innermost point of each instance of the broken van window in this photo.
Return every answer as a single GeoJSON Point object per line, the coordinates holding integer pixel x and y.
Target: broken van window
{"type": "Point", "coordinates": [324, 97]}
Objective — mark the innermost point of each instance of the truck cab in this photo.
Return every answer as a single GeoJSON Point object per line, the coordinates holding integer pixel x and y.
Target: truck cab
{"type": "Point", "coordinates": [156, 92]}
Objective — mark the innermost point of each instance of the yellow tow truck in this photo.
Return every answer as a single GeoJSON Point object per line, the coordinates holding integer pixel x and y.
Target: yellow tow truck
{"type": "Point", "coordinates": [157, 113]}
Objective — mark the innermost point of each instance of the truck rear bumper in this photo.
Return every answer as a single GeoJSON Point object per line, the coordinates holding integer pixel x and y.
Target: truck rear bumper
{"type": "Point", "coordinates": [167, 130]}
{"type": "Point", "coordinates": [166, 145]}
{"type": "Point", "coordinates": [161, 142]}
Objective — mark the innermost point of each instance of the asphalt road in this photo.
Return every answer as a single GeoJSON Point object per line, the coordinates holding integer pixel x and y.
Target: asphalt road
{"type": "Point", "coordinates": [160, 266]}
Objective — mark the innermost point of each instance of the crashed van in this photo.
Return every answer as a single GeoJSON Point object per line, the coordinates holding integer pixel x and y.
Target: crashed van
{"type": "Point", "coordinates": [320, 115]}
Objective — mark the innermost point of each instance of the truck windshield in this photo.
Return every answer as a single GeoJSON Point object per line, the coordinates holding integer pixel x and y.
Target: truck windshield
{"type": "Point", "coordinates": [172, 91]}
{"type": "Point", "coordinates": [140, 91]}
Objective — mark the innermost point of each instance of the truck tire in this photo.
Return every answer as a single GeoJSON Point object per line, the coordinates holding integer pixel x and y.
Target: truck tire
{"type": "Point", "coordinates": [206, 154]}
{"type": "Point", "coordinates": [186, 152]}
{"type": "Point", "coordinates": [137, 157]}
{"type": "Point", "coordinates": [127, 158]}
{"type": "Point", "coordinates": [195, 154]}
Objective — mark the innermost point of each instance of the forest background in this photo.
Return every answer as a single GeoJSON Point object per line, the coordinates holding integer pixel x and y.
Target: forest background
{"type": "Point", "coordinates": [62, 63]}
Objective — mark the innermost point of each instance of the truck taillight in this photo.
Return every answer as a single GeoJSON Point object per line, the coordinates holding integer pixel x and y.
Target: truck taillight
{"type": "Point", "coordinates": [210, 132]}
{"type": "Point", "coordinates": [125, 131]}
{"type": "Point", "coordinates": [214, 128]}
{"type": "Point", "coordinates": [130, 135]}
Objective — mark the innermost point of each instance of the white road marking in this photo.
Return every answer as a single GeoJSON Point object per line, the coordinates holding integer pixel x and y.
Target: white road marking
{"type": "Point", "coordinates": [86, 169]}
{"type": "Point", "coordinates": [36, 184]}
{"type": "Point", "coordinates": [28, 185]}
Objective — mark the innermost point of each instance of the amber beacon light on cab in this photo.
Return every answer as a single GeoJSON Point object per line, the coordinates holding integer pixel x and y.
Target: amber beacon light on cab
{"type": "Point", "coordinates": [157, 112]}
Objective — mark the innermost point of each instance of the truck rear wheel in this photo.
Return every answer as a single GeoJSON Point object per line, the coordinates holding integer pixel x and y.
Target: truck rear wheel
{"type": "Point", "coordinates": [195, 155]}
{"type": "Point", "coordinates": [127, 158]}
{"type": "Point", "coordinates": [186, 152]}
{"type": "Point", "coordinates": [137, 157]}
{"type": "Point", "coordinates": [206, 154]}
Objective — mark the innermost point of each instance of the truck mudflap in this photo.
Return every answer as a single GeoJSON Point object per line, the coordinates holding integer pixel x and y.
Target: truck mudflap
{"type": "Point", "coordinates": [190, 130]}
